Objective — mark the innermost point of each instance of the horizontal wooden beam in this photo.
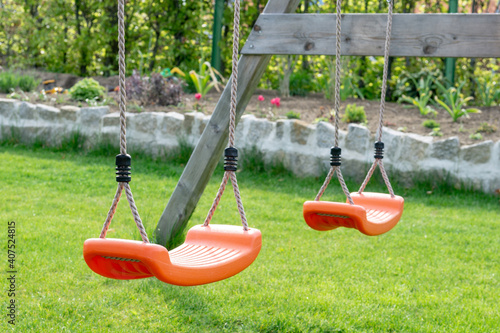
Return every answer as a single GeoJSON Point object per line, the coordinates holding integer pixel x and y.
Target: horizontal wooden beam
{"type": "Point", "coordinates": [417, 35]}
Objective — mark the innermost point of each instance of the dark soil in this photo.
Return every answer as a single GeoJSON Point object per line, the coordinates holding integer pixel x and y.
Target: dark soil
{"type": "Point", "coordinates": [314, 106]}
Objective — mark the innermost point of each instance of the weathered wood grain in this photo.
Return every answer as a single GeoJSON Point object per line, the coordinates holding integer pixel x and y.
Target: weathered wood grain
{"type": "Point", "coordinates": [419, 35]}
{"type": "Point", "coordinates": [214, 138]}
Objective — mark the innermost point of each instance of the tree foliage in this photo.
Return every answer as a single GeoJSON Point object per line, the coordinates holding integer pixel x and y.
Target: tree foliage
{"type": "Point", "coordinates": [80, 37]}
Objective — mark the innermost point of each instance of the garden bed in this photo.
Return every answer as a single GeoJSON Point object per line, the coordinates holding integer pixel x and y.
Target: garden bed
{"type": "Point", "coordinates": [314, 106]}
{"type": "Point", "coordinates": [310, 108]}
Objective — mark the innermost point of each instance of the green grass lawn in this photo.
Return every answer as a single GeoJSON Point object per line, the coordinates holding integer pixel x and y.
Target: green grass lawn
{"type": "Point", "coordinates": [437, 271]}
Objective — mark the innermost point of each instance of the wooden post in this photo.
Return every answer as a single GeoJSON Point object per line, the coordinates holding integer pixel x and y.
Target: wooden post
{"type": "Point", "coordinates": [449, 69]}
{"type": "Point", "coordinates": [214, 138]}
{"type": "Point", "coordinates": [217, 33]}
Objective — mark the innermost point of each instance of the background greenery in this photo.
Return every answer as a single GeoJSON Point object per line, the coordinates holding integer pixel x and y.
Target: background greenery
{"type": "Point", "coordinates": [80, 37]}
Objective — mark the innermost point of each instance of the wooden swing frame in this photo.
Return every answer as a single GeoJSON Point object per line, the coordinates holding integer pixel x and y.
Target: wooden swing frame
{"type": "Point", "coordinates": [277, 31]}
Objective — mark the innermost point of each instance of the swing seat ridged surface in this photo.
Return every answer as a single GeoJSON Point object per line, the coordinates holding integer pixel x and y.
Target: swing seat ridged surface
{"type": "Point", "coordinates": [372, 213]}
{"type": "Point", "coordinates": [209, 254]}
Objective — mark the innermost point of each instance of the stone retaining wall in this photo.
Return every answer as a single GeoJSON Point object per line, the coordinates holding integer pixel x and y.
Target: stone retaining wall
{"type": "Point", "coordinates": [302, 148]}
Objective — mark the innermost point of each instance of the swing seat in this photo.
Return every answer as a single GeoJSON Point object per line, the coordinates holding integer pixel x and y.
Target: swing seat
{"type": "Point", "coordinates": [209, 254]}
{"type": "Point", "coordinates": [372, 213]}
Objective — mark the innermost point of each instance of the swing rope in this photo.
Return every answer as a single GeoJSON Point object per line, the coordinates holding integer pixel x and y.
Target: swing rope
{"type": "Point", "coordinates": [123, 160]}
{"type": "Point", "coordinates": [379, 145]}
{"type": "Point", "coordinates": [335, 163]}
{"type": "Point", "coordinates": [231, 153]}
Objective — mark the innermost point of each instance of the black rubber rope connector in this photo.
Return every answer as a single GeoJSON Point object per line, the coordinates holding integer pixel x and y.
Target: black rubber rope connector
{"type": "Point", "coordinates": [230, 159]}
{"type": "Point", "coordinates": [379, 150]}
{"type": "Point", "coordinates": [123, 167]}
{"type": "Point", "coordinates": [335, 159]}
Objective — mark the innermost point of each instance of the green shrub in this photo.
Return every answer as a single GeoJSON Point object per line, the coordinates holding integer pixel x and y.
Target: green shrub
{"type": "Point", "coordinates": [436, 131]}
{"type": "Point", "coordinates": [354, 114]}
{"type": "Point", "coordinates": [454, 102]}
{"type": "Point", "coordinates": [292, 115]}
{"type": "Point", "coordinates": [9, 81]}
{"type": "Point", "coordinates": [87, 89]}
{"type": "Point", "coordinates": [486, 128]}
{"type": "Point", "coordinates": [416, 84]}
{"type": "Point", "coordinates": [476, 136]}
{"type": "Point", "coordinates": [430, 123]}
{"type": "Point", "coordinates": [28, 83]}
{"type": "Point", "coordinates": [301, 83]}
{"type": "Point", "coordinates": [320, 119]}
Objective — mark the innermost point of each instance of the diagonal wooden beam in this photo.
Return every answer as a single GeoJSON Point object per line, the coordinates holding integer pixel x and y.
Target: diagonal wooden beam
{"type": "Point", "coordinates": [418, 35]}
{"type": "Point", "coordinates": [214, 138]}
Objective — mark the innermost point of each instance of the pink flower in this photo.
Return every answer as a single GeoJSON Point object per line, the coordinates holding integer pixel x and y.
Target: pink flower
{"type": "Point", "coordinates": [197, 96]}
{"type": "Point", "coordinates": [276, 101]}
{"type": "Point", "coordinates": [261, 98]}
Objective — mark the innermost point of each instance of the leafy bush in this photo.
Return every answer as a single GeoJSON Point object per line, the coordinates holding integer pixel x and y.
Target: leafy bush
{"type": "Point", "coordinates": [162, 91]}
{"type": "Point", "coordinates": [325, 78]}
{"type": "Point", "coordinates": [413, 84]}
{"type": "Point", "coordinates": [354, 114]}
{"type": "Point", "coordinates": [9, 81]}
{"type": "Point", "coordinates": [292, 115]}
{"type": "Point", "coordinates": [155, 90]}
{"type": "Point", "coordinates": [87, 89]}
{"type": "Point", "coordinates": [430, 123]}
{"type": "Point", "coordinates": [454, 102]}
{"type": "Point", "coordinates": [488, 92]}
{"type": "Point", "coordinates": [28, 83]}
{"type": "Point", "coordinates": [301, 83]}
{"type": "Point", "coordinates": [424, 96]}
{"type": "Point", "coordinates": [486, 128]}
{"type": "Point", "coordinates": [436, 132]}
{"type": "Point", "coordinates": [362, 78]}
{"type": "Point", "coordinates": [205, 79]}
{"type": "Point", "coordinates": [476, 136]}
{"type": "Point", "coordinates": [320, 119]}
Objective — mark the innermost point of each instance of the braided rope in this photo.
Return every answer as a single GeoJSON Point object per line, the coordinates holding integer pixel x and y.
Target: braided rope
{"type": "Point", "coordinates": [232, 128]}
{"type": "Point", "coordinates": [378, 161]}
{"type": "Point", "coordinates": [237, 195]}
{"type": "Point", "coordinates": [337, 112]}
{"type": "Point", "coordinates": [121, 77]}
{"type": "Point", "coordinates": [341, 181]}
{"type": "Point", "coordinates": [337, 72]}
{"type": "Point", "coordinates": [325, 183]}
{"type": "Point", "coordinates": [123, 131]}
{"type": "Point", "coordinates": [234, 80]}
{"type": "Point", "coordinates": [386, 70]}
{"type": "Point", "coordinates": [386, 178]}
{"type": "Point", "coordinates": [222, 187]}
{"type": "Point", "coordinates": [112, 211]}
{"type": "Point", "coordinates": [135, 213]}
{"type": "Point", "coordinates": [368, 176]}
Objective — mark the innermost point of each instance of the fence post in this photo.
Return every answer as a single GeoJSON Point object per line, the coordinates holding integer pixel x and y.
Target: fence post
{"type": "Point", "coordinates": [449, 68]}
{"type": "Point", "coordinates": [216, 35]}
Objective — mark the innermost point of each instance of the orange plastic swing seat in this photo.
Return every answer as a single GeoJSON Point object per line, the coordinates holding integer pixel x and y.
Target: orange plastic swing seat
{"type": "Point", "coordinates": [372, 213]}
{"type": "Point", "coordinates": [209, 254]}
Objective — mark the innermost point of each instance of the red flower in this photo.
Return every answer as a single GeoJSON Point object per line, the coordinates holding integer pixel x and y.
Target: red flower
{"type": "Point", "coordinates": [276, 101]}
{"type": "Point", "coordinates": [197, 96]}
{"type": "Point", "coordinates": [261, 98]}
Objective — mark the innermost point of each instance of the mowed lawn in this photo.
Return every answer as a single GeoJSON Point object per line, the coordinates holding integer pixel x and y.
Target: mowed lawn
{"type": "Point", "coordinates": [437, 271]}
